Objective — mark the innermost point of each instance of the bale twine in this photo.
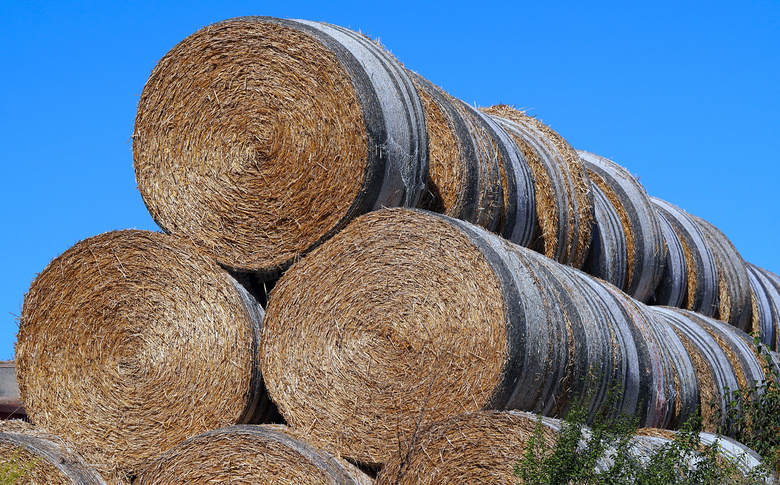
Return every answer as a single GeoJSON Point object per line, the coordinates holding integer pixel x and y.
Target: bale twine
{"type": "Point", "coordinates": [702, 272]}
{"type": "Point", "coordinates": [672, 288]}
{"type": "Point", "coordinates": [644, 237]}
{"type": "Point", "coordinates": [258, 138]}
{"type": "Point", "coordinates": [607, 258]}
{"type": "Point", "coordinates": [131, 341]}
{"type": "Point", "coordinates": [564, 203]}
{"type": "Point", "coordinates": [474, 448]}
{"type": "Point", "coordinates": [766, 306]}
{"type": "Point", "coordinates": [249, 454]}
{"type": "Point", "coordinates": [41, 458]}
{"type": "Point", "coordinates": [441, 318]}
{"type": "Point", "coordinates": [715, 371]}
{"type": "Point", "coordinates": [734, 302]}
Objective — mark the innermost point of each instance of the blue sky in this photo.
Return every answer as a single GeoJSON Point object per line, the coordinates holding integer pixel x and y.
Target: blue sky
{"type": "Point", "coordinates": [684, 94]}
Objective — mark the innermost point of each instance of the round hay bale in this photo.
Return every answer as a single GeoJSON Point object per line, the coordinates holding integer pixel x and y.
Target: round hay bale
{"type": "Point", "coordinates": [258, 138]}
{"type": "Point", "coordinates": [714, 369]}
{"type": "Point", "coordinates": [564, 202]}
{"type": "Point", "coordinates": [672, 288]}
{"type": "Point", "coordinates": [702, 272]}
{"type": "Point", "coordinates": [474, 448]}
{"type": "Point", "coordinates": [734, 302]}
{"type": "Point", "coordinates": [607, 256]}
{"type": "Point", "coordinates": [766, 306]}
{"type": "Point", "coordinates": [644, 237]}
{"type": "Point", "coordinates": [131, 341]}
{"type": "Point", "coordinates": [441, 318]}
{"type": "Point", "coordinates": [40, 458]}
{"type": "Point", "coordinates": [249, 454]}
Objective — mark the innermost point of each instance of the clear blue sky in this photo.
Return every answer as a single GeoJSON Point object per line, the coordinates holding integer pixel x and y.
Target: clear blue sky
{"type": "Point", "coordinates": [684, 94]}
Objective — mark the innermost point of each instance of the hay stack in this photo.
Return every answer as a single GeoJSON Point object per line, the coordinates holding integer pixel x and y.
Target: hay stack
{"type": "Point", "coordinates": [258, 138]}
{"type": "Point", "coordinates": [41, 458]}
{"type": "Point", "coordinates": [131, 341]}
{"type": "Point", "coordinates": [644, 238]}
{"type": "Point", "coordinates": [701, 270]}
{"type": "Point", "coordinates": [608, 257]}
{"type": "Point", "coordinates": [564, 203]}
{"type": "Point", "coordinates": [407, 317]}
{"type": "Point", "coordinates": [474, 448]}
{"type": "Point", "coordinates": [672, 289]}
{"type": "Point", "coordinates": [734, 302]}
{"type": "Point", "coordinates": [765, 291]}
{"type": "Point", "coordinates": [246, 454]}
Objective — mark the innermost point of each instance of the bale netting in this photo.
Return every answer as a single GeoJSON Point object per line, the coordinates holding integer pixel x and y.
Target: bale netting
{"type": "Point", "coordinates": [473, 448]}
{"type": "Point", "coordinates": [766, 306]}
{"type": "Point", "coordinates": [672, 289]}
{"type": "Point", "coordinates": [701, 270]}
{"type": "Point", "coordinates": [249, 454]}
{"type": "Point", "coordinates": [37, 458]}
{"type": "Point", "coordinates": [644, 237]}
{"type": "Point", "coordinates": [131, 341]}
{"type": "Point", "coordinates": [443, 317]}
{"type": "Point", "coordinates": [607, 258]}
{"type": "Point", "coordinates": [258, 138]}
{"type": "Point", "coordinates": [734, 297]}
{"type": "Point", "coordinates": [715, 370]}
{"type": "Point", "coordinates": [564, 203]}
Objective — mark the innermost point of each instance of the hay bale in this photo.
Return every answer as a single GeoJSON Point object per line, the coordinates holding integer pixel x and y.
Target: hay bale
{"type": "Point", "coordinates": [734, 302]}
{"type": "Point", "coordinates": [607, 258]}
{"type": "Point", "coordinates": [131, 341]}
{"type": "Point", "coordinates": [564, 203]}
{"type": "Point", "coordinates": [474, 448]}
{"type": "Point", "coordinates": [258, 138]}
{"type": "Point", "coordinates": [672, 288]}
{"type": "Point", "coordinates": [765, 298]}
{"type": "Point", "coordinates": [247, 454]}
{"type": "Point", "coordinates": [701, 270]}
{"type": "Point", "coordinates": [42, 458]}
{"type": "Point", "coordinates": [644, 237]}
{"type": "Point", "coordinates": [442, 317]}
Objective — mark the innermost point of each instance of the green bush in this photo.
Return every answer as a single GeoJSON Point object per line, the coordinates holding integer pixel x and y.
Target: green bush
{"type": "Point", "coordinates": [15, 468]}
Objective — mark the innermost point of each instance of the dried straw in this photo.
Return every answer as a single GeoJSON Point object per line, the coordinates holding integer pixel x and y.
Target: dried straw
{"type": "Point", "coordinates": [132, 341]}
{"type": "Point", "coordinates": [258, 138]}
{"type": "Point", "coordinates": [246, 454]}
{"type": "Point", "coordinates": [45, 459]}
{"type": "Point", "coordinates": [564, 203]}
{"type": "Point", "coordinates": [644, 239]}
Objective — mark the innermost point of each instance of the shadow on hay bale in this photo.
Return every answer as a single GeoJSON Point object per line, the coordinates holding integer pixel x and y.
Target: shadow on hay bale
{"type": "Point", "coordinates": [407, 317]}
{"type": "Point", "coordinates": [248, 454]}
{"type": "Point", "coordinates": [644, 238]}
{"type": "Point", "coordinates": [131, 341]}
{"type": "Point", "coordinates": [564, 203]}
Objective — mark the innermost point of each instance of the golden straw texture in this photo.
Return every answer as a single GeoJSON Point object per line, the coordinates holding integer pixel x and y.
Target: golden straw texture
{"type": "Point", "coordinates": [131, 341]}
{"type": "Point", "coordinates": [410, 329]}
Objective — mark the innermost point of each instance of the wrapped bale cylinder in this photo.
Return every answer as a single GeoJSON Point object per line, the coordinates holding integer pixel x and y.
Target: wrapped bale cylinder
{"type": "Point", "coordinates": [765, 291]}
{"type": "Point", "coordinates": [672, 289]}
{"type": "Point", "coordinates": [247, 454]}
{"type": "Point", "coordinates": [701, 270]}
{"type": "Point", "coordinates": [734, 297]}
{"type": "Point", "coordinates": [406, 317]}
{"type": "Point", "coordinates": [30, 456]}
{"type": "Point", "coordinates": [564, 203]}
{"type": "Point", "coordinates": [607, 258]}
{"type": "Point", "coordinates": [258, 138]}
{"type": "Point", "coordinates": [475, 172]}
{"type": "Point", "coordinates": [644, 237]}
{"type": "Point", "coordinates": [131, 341]}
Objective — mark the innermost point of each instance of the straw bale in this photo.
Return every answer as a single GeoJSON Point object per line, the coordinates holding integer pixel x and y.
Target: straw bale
{"type": "Point", "coordinates": [249, 454]}
{"type": "Point", "coordinates": [564, 203]}
{"type": "Point", "coordinates": [131, 341]}
{"type": "Point", "coordinates": [765, 297]}
{"type": "Point", "coordinates": [644, 237]}
{"type": "Point", "coordinates": [258, 138]}
{"type": "Point", "coordinates": [46, 459]}
{"type": "Point", "coordinates": [475, 448]}
{"type": "Point", "coordinates": [607, 258]}
{"type": "Point", "coordinates": [734, 303]}
{"type": "Point", "coordinates": [702, 271]}
{"type": "Point", "coordinates": [672, 289]}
